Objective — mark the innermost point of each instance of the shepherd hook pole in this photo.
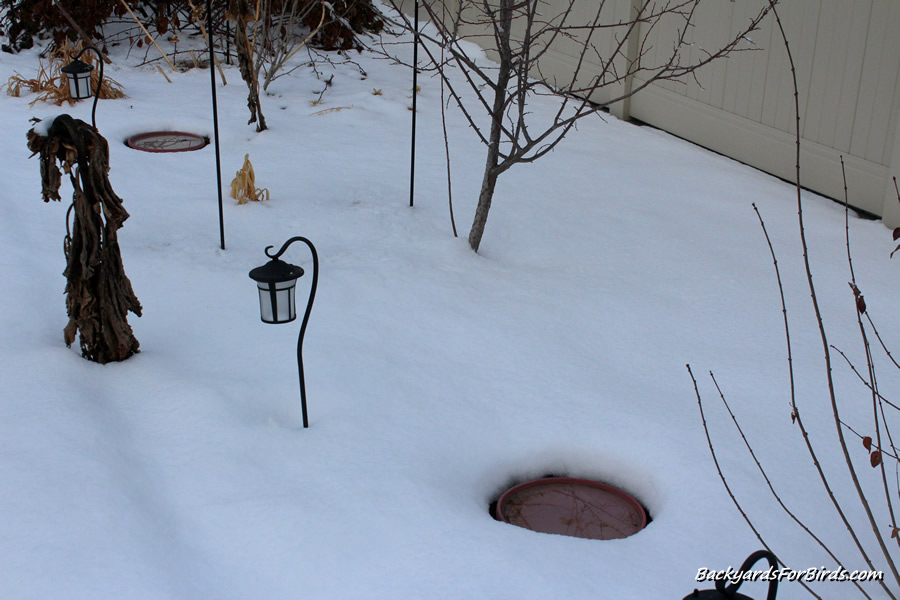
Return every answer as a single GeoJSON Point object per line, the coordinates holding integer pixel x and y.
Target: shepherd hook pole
{"type": "Point", "coordinates": [212, 77]}
{"type": "Point", "coordinates": [312, 297]}
{"type": "Point", "coordinates": [412, 160]}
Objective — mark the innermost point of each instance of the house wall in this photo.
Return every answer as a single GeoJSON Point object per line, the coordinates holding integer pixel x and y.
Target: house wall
{"type": "Point", "coordinates": [847, 60]}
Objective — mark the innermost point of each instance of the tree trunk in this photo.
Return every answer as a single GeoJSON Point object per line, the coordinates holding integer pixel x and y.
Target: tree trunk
{"type": "Point", "coordinates": [484, 205]}
{"type": "Point", "coordinates": [501, 92]}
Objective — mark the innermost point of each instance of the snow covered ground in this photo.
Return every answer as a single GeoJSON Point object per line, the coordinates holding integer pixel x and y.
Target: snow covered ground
{"type": "Point", "coordinates": [436, 377]}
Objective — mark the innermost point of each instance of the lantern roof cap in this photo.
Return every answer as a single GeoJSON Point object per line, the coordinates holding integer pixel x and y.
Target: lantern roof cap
{"type": "Point", "coordinates": [276, 271]}
{"type": "Point", "coordinates": [77, 66]}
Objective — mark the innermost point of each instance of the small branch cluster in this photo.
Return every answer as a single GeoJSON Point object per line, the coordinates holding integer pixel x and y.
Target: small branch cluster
{"type": "Point", "coordinates": [268, 33]}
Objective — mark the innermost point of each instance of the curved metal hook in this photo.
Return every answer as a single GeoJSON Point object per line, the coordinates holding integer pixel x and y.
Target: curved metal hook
{"type": "Point", "coordinates": [288, 243]}
{"type": "Point", "coordinates": [731, 589]}
{"type": "Point", "coordinates": [67, 241]}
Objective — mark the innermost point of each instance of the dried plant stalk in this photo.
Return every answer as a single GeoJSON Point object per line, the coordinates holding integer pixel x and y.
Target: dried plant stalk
{"type": "Point", "coordinates": [243, 186]}
{"type": "Point", "coordinates": [99, 295]}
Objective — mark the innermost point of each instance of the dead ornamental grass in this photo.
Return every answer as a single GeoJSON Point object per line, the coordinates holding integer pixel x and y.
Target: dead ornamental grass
{"type": "Point", "coordinates": [51, 85]}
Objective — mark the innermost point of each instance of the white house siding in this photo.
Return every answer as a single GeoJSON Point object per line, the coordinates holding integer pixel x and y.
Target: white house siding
{"type": "Point", "coordinates": [847, 59]}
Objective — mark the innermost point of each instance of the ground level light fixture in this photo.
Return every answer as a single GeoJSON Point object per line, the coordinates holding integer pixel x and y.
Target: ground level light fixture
{"type": "Point", "coordinates": [276, 283]}
{"type": "Point", "coordinates": [79, 75]}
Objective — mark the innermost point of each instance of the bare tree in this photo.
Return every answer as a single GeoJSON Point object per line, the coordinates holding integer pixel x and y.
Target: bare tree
{"type": "Point", "coordinates": [522, 32]}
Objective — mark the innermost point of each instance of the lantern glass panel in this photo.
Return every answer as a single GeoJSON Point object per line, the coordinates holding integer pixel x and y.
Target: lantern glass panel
{"type": "Point", "coordinates": [277, 301]}
{"type": "Point", "coordinates": [80, 85]}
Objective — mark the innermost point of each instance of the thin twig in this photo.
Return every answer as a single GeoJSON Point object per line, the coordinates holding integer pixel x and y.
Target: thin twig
{"type": "Point", "coordinates": [715, 458]}
{"type": "Point", "coordinates": [447, 146]}
{"type": "Point", "coordinates": [861, 378]}
{"type": "Point", "coordinates": [881, 341]}
{"type": "Point", "coordinates": [163, 73]}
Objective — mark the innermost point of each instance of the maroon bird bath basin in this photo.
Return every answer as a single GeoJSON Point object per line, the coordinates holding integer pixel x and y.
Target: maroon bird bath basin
{"type": "Point", "coordinates": [574, 507]}
{"type": "Point", "coordinates": [166, 141]}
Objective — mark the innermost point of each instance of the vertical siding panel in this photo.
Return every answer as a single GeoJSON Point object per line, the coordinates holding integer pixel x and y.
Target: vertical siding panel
{"type": "Point", "coordinates": [741, 67]}
{"type": "Point", "coordinates": [821, 69]}
{"type": "Point", "coordinates": [869, 75]}
{"type": "Point", "coordinates": [712, 28]}
{"type": "Point", "coordinates": [843, 87]}
{"type": "Point", "coordinates": [720, 28]}
{"type": "Point", "coordinates": [662, 40]}
{"type": "Point", "coordinates": [767, 37]}
{"type": "Point", "coordinates": [839, 42]}
{"type": "Point", "coordinates": [880, 141]}
{"type": "Point", "coordinates": [777, 81]}
{"type": "Point", "coordinates": [803, 39]}
{"type": "Point", "coordinates": [737, 82]}
{"type": "Point", "coordinates": [691, 87]}
{"type": "Point", "coordinates": [616, 11]}
{"type": "Point", "coordinates": [801, 35]}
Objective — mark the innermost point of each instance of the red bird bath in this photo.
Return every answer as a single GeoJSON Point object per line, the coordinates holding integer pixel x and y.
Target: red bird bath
{"type": "Point", "coordinates": [574, 507]}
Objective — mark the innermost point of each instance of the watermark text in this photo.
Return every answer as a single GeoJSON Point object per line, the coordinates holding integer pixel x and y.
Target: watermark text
{"type": "Point", "coordinates": [811, 574]}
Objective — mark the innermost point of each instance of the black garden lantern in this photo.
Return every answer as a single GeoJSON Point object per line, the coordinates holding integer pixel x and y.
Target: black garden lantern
{"type": "Point", "coordinates": [79, 76]}
{"type": "Point", "coordinates": [276, 282]}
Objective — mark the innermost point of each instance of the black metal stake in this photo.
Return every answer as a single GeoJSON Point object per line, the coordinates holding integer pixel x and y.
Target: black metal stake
{"type": "Point", "coordinates": [312, 296]}
{"type": "Point", "coordinates": [415, 89]}
{"type": "Point", "coordinates": [212, 77]}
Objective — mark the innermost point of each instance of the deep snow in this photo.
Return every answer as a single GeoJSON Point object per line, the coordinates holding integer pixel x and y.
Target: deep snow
{"type": "Point", "coordinates": [436, 377]}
